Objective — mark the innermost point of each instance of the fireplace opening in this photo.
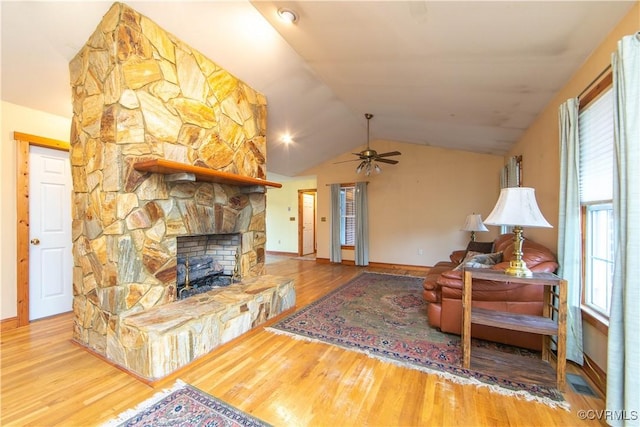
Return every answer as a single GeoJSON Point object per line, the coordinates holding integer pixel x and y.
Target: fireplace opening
{"type": "Point", "coordinates": [206, 262]}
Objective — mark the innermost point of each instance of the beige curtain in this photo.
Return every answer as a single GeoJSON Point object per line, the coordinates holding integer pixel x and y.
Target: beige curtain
{"type": "Point", "coordinates": [623, 361]}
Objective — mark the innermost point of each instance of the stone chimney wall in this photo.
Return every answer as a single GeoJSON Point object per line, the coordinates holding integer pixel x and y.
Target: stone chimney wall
{"type": "Point", "coordinates": [139, 93]}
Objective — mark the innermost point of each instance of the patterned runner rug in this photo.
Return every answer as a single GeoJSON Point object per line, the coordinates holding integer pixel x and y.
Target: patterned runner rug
{"type": "Point", "coordinates": [186, 406]}
{"type": "Point", "coordinates": [384, 316]}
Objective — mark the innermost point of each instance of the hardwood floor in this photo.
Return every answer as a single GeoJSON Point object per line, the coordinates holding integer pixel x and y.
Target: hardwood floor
{"type": "Point", "coordinates": [48, 380]}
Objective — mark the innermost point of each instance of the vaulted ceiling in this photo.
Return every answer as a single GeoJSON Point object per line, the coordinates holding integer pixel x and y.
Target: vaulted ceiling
{"type": "Point", "coordinates": [469, 75]}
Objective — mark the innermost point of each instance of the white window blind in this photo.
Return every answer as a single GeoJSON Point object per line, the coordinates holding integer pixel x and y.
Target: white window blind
{"type": "Point", "coordinates": [595, 131]}
{"type": "Point", "coordinates": [347, 216]}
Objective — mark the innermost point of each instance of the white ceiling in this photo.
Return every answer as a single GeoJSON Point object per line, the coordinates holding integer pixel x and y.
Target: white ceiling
{"type": "Point", "coordinates": [466, 75]}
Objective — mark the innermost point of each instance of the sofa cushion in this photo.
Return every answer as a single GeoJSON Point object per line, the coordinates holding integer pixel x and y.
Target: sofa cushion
{"type": "Point", "coordinates": [502, 241]}
{"type": "Point", "coordinates": [478, 247]}
{"type": "Point", "coordinates": [537, 257]}
{"type": "Point", "coordinates": [468, 256]}
{"type": "Point", "coordinates": [476, 260]}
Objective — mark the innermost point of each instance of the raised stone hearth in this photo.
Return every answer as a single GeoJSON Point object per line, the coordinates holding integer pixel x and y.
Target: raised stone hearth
{"type": "Point", "coordinates": [146, 107]}
{"type": "Point", "coordinates": [162, 339]}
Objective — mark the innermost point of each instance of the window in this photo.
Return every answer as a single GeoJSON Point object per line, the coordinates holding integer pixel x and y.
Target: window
{"type": "Point", "coordinates": [596, 195]}
{"type": "Point", "coordinates": [347, 215]}
{"type": "Point", "coordinates": [599, 256]}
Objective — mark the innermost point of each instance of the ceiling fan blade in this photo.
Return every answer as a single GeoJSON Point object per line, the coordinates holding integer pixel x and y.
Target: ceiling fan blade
{"type": "Point", "coordinates": [390, 153]}
{"type": "Point", "coordinates": [391, 162]}
{"type": "Point", "coordinates": [346, 161]}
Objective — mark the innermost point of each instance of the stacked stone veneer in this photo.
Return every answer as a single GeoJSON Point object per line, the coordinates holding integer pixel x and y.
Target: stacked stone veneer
{"type": "Point", "coordinates": [139, 93]}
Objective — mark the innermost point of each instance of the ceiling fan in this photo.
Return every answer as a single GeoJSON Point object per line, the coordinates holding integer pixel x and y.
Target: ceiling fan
{"type": "Point", "coordinates": [369, 157]}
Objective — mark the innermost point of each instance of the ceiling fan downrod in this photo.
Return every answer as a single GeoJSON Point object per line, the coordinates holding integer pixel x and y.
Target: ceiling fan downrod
{"type": "Point", "coordinates": [368, 116]}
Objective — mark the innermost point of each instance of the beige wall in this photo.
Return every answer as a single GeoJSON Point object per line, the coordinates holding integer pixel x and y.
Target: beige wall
{"type": "Point", "coordinates": [540, 144]}
{"type": "Point", "coordinates": [25, 120]}
{"type": "Point", "coordinates": [540, 150]}
{"type": "Point", "coordinates": [282, 204]}
{"type": "Point", "coordinates": [416, 208]}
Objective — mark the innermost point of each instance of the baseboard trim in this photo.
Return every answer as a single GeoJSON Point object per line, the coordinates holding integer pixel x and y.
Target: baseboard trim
{"type": "Point", "coordinates": [595, 373]}
{"type": "Point", "coordinates": [282, 253]}
{"type": "Point", "coordinates": [378, 265]}
{"type": "Point", "coordinates": [8, 324]}
{"type": "Point", "coordinates": [399, 266]}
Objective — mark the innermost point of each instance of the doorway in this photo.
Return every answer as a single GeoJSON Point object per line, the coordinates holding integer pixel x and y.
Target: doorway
{"type": "Point", "coordinates": [307, 222]}
{"type": "Point", "coordinates": [24, 144]}
{"type": "Point", "coordinates": [50, 257]}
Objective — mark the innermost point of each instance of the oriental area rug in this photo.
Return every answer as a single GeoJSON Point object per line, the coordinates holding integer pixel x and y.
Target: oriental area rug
{"type": "Point", "coordinates": [384, 316]}
{"type": "Point", "coordinates": [186, 406]}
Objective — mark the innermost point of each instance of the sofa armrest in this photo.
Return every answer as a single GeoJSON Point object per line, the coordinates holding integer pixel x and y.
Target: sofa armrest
{"type": "Point", "coordinates": [430, 284]}
{"type": "Point", "coordinates": [456, 257]}
{"type": "Point", "coordinates": [450, 278]}
{"type": "Point", "coordinates": [431, 291]}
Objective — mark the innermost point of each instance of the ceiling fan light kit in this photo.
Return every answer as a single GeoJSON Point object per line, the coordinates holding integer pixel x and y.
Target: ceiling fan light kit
{"type": "Point", "coordinates": [369, 157]}
{"type": "Point", "coordinates": [366, 165]}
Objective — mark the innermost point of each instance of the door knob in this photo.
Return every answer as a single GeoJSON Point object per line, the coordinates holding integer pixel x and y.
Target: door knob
{"type": "Point", "coordinates": [35, 241]}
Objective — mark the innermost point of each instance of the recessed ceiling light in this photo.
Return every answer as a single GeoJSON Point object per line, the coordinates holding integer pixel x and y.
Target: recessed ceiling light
{"type": "Point", "coordinates": [287, 138]}
{"type": "Point", "coordinates": [288, 15]}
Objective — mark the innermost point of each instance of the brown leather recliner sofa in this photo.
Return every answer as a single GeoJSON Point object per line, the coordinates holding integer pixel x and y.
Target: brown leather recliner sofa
{"type": "Point", "coordinates": [443, 292]}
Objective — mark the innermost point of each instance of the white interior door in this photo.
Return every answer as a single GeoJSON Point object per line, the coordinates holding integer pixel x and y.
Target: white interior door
{"type": "Point", "coordinates": [50, 265]}
{"type": "Point", "coordinates": [308, 223]}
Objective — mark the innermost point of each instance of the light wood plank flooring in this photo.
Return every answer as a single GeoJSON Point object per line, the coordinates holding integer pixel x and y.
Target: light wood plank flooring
{"type": "Point", "coordinates": [48, 380]}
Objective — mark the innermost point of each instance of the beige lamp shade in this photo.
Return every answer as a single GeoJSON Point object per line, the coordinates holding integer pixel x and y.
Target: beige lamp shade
{"type": "Point", "coordinates": [474, 223]}
{"type": "Point", "coordinates": [517, 206]}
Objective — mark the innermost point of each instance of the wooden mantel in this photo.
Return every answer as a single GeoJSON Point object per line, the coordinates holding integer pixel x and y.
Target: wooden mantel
{"type": "Point", "coordinates": [167, 167]}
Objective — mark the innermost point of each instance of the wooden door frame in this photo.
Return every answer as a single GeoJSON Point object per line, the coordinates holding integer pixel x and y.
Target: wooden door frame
{"type": "Point", "coordinates": [300, 217]}
{"type": "Point", "coordinates": [24, 142]}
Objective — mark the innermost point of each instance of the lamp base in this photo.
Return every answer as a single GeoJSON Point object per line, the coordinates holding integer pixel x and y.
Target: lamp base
{"type": "Point", "coordinates": [518, 268]}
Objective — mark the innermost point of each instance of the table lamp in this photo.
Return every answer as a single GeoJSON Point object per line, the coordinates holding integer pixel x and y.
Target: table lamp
{"type": "Point", "coordinates": [517, 207]}
{"type": "Point", "coordinates": [473, 223]}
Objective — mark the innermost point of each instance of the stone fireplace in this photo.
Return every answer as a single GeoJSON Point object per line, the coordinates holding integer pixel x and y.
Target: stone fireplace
{"type": "Point", "coordinates": [164, 144]}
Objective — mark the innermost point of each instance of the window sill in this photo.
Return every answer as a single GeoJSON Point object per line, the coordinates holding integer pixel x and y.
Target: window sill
{"type": "Point", "coordinates": [348, 247]}
{"type": "Point", "coordinates": [595, 319]}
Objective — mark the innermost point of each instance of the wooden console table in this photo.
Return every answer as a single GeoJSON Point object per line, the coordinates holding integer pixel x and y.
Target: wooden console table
{"type": "Point", "coordinates": [543, 325]}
